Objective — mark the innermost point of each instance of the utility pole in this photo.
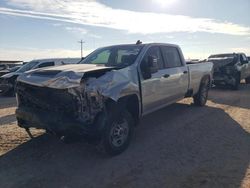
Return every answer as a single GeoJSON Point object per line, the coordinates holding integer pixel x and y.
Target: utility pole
{"type": "Point", "coordinates": [81, 47]}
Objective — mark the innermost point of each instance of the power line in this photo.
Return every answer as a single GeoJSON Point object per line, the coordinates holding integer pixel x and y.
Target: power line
{"type": "Point", "coordinates": [81, 42]}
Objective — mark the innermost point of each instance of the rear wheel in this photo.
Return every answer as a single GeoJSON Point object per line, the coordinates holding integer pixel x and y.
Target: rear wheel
{"type": "Point", "coordinates": [117, 134]}
{"type": "Point", "coordinates": [247, 80]}
{"type": "Point", "coordinates": [200, 99]}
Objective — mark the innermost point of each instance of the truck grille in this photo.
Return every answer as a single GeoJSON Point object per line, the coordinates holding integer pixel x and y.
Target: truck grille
{"type": "Point", "coordinates": [47, 99]}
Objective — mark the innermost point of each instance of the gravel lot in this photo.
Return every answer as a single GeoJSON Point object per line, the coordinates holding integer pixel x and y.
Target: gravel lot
{"type": "Point", "coordinates": [179, 146]}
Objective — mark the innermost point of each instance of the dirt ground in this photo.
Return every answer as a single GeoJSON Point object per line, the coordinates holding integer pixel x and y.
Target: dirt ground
{"type": "Point", "coordinates": [178, 146]}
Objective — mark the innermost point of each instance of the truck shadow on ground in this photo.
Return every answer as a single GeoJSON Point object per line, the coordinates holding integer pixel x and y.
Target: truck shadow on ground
{"type": "Point", "coordinates": [239, 98]}
{"type": "Point", "coordinates": [179, 146]}
{"type": "Point", "coordinates": [7, 102]}
{"type": "Point", "coordinates": [8, 119]}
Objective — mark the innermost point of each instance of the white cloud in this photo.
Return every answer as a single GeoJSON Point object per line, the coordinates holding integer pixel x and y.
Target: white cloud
{"type": "Point", "coordinates": [90, 12]}
{"type": "Point", "coordinates": [76, 30]}
{"type": "Point", "coordinates": [95, 36]}
{"type": "Point", "coordinates": [240, 49]}
{"type": "Point", "coordinates": [31, 53]}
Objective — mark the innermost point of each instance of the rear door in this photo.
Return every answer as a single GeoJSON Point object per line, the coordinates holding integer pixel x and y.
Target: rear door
{"type": "Point", "coordinates": [177, 71]}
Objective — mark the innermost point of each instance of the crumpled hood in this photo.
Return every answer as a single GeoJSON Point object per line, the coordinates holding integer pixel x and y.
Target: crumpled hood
{"type": "Point", "coordinates": [59, 77]}
{"type": "Point", "coordinates": [221, 62]}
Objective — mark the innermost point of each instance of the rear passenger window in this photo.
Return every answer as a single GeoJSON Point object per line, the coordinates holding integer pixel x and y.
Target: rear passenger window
{"type": "Point", "coordinates": [171, 56]}
{"type": "Point", "coordinates": [46, 64]}
{"type": "Point", "coordinates": [155, 52]}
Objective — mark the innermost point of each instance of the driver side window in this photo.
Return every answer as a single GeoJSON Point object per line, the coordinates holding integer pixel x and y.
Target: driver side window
{"type": "Point", "coordinates": [155, 52]}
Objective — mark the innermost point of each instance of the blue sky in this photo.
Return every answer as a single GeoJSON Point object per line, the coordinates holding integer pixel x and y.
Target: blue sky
{"type": "Point", "coordinates": [51, 28]}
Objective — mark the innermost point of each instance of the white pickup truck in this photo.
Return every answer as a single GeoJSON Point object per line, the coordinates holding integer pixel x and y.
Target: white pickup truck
{"type": "Point", "coordinates": [105, 95]}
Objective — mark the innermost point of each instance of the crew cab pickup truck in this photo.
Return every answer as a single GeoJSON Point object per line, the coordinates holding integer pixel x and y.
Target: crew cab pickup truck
{"type": "Point", "coordinates": [230, 69]}
{"type": "Point", "coordinates": [105, 95]}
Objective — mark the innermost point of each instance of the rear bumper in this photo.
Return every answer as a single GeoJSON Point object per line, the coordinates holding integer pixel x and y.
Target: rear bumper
{"type": "Point", "coordinates": [33, 118]}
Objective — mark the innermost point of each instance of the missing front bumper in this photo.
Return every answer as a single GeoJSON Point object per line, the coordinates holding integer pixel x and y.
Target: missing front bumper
{"type": "Point", "coordinates": [32, 118]}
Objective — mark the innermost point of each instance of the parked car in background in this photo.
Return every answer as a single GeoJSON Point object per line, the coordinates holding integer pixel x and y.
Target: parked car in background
{"type": "Point", "coordinates": [230, 69]}
{"type": "Point", "coordinates": [105, 95]}
{"type": "Point", "coordinates": [8, 66]}
{"type": "Point", "coordinates": [9, 70]}
{"type": "Point", "coordinates": [7, 81]}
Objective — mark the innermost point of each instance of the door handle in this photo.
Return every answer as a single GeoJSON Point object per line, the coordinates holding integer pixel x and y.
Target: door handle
{"type": "Point", "coordinates": [185, 72]}
{"type": "Point", "coordinates": [166, 75]}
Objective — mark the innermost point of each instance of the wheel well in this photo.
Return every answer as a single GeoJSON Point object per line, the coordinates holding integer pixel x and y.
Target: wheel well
{"type": "Point", "coordinates": [204, 78]}
{"type": "Point", "coordinates": [133, 106]}
{"type": "Point", "coordinates": [131, 103]}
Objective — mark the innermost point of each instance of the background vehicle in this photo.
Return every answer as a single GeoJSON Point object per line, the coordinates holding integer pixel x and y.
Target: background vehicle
{"type": "Point", "coordinates": [8, 66]}
{"type": "Point", "coordinates": [230, 69]}
{"type": "Point", "coordinates": [7, 81]}
{"type": "Point", "coordinates": [8, 70]}
{"type": "Point", "coordinates": [105, 95]}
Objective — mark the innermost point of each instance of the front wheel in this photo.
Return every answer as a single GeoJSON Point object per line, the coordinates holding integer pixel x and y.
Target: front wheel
{"type": "Point", "coordinates": [200, 99]}
{"type": "Point", "coordinates": [117, 134]}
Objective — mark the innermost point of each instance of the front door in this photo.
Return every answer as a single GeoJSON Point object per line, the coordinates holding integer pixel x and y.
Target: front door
{"type": "Point", "coordinates": [154, 88]}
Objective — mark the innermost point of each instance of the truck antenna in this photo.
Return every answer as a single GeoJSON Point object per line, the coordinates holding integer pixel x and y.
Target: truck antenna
{"type": "Point", "coordinates": [138, 42]}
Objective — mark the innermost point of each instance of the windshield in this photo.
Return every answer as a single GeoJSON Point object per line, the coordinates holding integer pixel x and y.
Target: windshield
{"type": "Point", "coordinates": [27, 66]}
{"type": "Point", "coordinates": [222, 56]}
{"type": "Point", "coordinates": [115, 56]}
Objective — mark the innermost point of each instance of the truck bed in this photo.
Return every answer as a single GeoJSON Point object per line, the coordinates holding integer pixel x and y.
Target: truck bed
{"type": "Point", "coordinates": [196, 72]}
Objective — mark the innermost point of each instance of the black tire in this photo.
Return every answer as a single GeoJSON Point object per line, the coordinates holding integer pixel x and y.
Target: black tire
{"type": "Point", "coordinates": [200, 99]}
{"type": "Point", "coordinates": [237, 82]}
{"type": "Point", "coordinates": [247, 80]}
{"type": "Point", "coordinates": [117, 133]}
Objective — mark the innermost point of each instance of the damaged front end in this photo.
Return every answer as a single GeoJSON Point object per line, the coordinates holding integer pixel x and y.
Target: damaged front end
{"type": "Point", "coordinates": [68, 110]}
{"type": "Point", "coordinates": [225, 71]}
{"type": "Point", "coordinates": [68, 102]}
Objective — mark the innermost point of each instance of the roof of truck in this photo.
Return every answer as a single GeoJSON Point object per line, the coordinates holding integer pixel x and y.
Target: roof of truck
{"type": "Point", "coordinates": [143, 44]}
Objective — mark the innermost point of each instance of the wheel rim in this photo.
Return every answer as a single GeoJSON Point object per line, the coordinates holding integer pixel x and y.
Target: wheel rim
{"type": "Point", "coordinates": [119, 133]}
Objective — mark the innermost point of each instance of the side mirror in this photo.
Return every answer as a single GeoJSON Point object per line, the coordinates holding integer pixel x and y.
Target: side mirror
{"type": "Point", "coordinates": [148, 67]}
{"type": "Point", "coordinates": [152, 64]}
